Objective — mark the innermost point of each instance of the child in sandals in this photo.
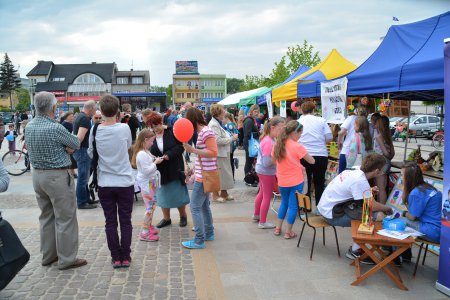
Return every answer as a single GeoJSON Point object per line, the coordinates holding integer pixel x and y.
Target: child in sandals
{"type": "Point", "coordinates": [290, 173]}
{"type": "Point", "coordinates": [148, 180]}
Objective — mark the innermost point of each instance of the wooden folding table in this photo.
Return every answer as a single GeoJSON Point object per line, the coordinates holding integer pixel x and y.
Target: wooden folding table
{"type": "Point", "coordinates": [371, 244]}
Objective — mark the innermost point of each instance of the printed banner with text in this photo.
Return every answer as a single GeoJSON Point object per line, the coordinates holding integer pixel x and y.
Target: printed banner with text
{"type": "Point", "coordinates": [443, 282]}
{"type": "Point", "coordinates": [334, 95]}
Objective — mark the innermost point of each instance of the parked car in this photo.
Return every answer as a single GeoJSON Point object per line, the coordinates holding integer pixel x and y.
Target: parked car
{"type": "Point", "coordinates": [8, 117]}
{"type": "Point", "coordinates": [423, 124]}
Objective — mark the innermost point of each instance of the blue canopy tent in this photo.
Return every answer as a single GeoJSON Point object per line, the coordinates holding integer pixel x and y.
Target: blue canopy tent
{"type": "Point", "coordinates": [408, 64]}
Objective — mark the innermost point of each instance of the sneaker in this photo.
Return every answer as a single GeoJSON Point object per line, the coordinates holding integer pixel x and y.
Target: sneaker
{"type": "Point", "coordinates": [210, 238]}
{"type": "Point", "coordinates": [255, 218]}
{"type": "Point", "coordinates": [190, 244]}
{"type": "Point", "coordinates": [353, 254]}
{"type": "Point", "coordinates": [125, 263]}
{"type": "Point", "coordinates": [248, 184]}
{"type": "Point", "coordinates": [367, 261]}
{"type": "Point", "coordinates": [255, 184]}
{"type": "Point", "coordinates": [148, 237]}
{"type": "Point", "coordinates": [266, 225]}
{"type": "Point", "coordinates": [153, 230]}
{"type": "Point", "coordinates": [407, 255]}
{"type": "Point", "coordinates": [116, 263]}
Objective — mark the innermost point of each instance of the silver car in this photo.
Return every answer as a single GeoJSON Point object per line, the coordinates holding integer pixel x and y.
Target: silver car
{"type": "Point", "coordinates": [423, 124]}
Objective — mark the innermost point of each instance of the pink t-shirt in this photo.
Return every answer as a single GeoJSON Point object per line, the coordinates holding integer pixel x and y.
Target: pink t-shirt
{"type": "Point", "coordinates": [289, 169]}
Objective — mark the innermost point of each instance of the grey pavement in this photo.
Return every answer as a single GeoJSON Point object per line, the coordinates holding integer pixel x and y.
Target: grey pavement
{"type": "Point", "coordinates": [244, 262]}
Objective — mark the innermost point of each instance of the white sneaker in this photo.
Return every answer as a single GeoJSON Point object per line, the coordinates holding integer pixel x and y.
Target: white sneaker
{"type": "Point", "coordinates": [255, 218]}
{"type": "Point", "coordinates": [266, 225]}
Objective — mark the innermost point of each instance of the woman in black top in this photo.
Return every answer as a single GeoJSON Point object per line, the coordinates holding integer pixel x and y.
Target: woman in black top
{"type": "Point", "coordinates": [250, 127]}
{"type": "Point", "coordinates": [173, 192]}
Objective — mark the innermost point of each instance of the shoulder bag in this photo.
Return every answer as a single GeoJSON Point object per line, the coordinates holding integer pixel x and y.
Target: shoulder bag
{"type": "Point", "coordinates": [211, 179]}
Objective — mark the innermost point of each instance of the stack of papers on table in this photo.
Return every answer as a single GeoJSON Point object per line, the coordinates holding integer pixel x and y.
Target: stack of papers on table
{"type": "Point", "coordinates": [400, 235]}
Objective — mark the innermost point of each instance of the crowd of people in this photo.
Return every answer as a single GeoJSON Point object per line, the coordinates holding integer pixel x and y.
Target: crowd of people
{"type": "Point", "coordinates": [123, 150]}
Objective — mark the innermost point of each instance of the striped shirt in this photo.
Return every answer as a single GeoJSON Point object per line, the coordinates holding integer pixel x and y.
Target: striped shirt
{"type": "Point", "coordinates": [208, 163]}
{"type": "Point", "coordinates": [46, 141]}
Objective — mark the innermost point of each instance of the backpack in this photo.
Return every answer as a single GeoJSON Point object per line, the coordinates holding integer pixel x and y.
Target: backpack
{"type": "Point", "coordinates": [13, 255]}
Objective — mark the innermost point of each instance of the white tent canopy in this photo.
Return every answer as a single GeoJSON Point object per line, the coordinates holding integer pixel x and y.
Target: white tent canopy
{"type": "Point", "coordinates": [235, 98]}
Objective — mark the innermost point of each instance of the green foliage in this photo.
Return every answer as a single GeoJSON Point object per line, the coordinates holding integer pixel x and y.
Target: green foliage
{"type": "Point", "coordinates": [169, 94]}
{"type": "Point", "coordinates": [24, 100]}
{"type": "Point", "coordinates": [299, 55]}
{"type": "Point", "coordinates": [9, 79]}
{"type": "Point", "coordinates": [234, 85]}
{"type": "Point", "coordinates": [76, 110]}
{"type": "Point", "coordinates": [252, 82]}
{"type": "Point", "coordinates": [289, 63]}
{"type": "Point", "coordinates": [158, 89]}
{"type": "Point", "coordinates": [5, 109]}
{"type": "Point", "coordinates": [432, 103]}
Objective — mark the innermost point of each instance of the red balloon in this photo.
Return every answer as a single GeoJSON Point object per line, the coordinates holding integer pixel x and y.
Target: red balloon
{"type": "Point", "coordinates": [183, 130]}
{"type": "Point", "coordinates": [293, 107]}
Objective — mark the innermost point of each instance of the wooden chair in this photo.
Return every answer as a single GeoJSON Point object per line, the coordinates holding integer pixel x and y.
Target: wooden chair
{"type": "Point", "coordinates": [274, 198]}
{"type": "Point", "coordinates": [304, 207]}
{"type": "Point", "coordinates": [422, 242]}
{"type": "Point", "coordinates": [412, 134]}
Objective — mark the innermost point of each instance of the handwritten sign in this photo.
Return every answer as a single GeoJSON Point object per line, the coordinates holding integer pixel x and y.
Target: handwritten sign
{"type": "Point", "coordinates": [334, 95]}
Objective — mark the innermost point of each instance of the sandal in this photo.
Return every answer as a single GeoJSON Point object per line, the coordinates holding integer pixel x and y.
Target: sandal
{"type": "Point", "coordinates": [277, 231]}
{"type": "Point", "coordinates": [290, 235]}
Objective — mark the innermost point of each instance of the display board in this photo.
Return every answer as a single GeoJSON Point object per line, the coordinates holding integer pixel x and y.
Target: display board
{"type": "Point", "coordinates": [396, 203]}
{"type": "Point", "coordinates": [332, 170]}
{"type": "Point", "coordinates": [395, 197]}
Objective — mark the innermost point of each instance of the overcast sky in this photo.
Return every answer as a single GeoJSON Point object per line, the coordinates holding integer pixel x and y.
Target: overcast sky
{"type": "Point", "coordinates": [226, 37]}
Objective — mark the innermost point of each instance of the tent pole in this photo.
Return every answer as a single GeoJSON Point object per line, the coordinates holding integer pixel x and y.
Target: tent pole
{"type": "Point", "coordinates": [407, 131]}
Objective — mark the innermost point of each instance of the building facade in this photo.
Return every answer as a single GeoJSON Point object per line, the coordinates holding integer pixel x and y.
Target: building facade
{"type": "Point", "coordinates": [74, 84]}
{"type": "Point", "coordinates": [213, 88]}
{"type": "Point", "coordinates": [188, 85]}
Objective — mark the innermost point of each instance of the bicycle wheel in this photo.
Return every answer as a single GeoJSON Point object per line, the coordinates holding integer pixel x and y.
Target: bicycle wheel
{"type": "Point", "coordinates": [16, 162]}
{"type": "Point", "coordinates": [438, 141]}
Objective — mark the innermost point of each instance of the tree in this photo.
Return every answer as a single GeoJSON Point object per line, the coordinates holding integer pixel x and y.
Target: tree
{"type": "Point", "coordinates": [299, 55]}
{"type": "Point", "coordinates": [279, 74]}
{"type": "Point", "coordinates": [233, 85]}
{"type": "Point", "coordinates": [158, 89]}
{"type": "Point", "coordinates": [169, 94]}
{"type": "Point", "coordinates": [9, 79]}
{"type": "Point", "coordinates": [24, 100]}
{"type": "Point", "coordinates": [289, 63]}
{"type": "Point", "coordinates": [252, 82]}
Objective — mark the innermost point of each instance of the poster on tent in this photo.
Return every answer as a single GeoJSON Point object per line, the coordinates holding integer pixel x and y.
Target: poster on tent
{"type": "Point", "coordinates": [443, 282]}
{"type": "Point", "coordinates": [268, 97]}
{"type": "Point", "coordinates": [283, 109]}
{"type": "Point", "coordinates": [333, 96]}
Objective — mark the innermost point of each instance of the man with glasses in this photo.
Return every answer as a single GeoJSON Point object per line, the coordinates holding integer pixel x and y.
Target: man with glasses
{"type": "Point", "coordinates": [97, 118]}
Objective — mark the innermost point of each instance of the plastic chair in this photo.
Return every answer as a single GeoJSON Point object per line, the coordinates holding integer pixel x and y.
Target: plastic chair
{"type": "Point", "coordinates": [422, 242]}
{"type": "Point", "coordinates": [304, 206]}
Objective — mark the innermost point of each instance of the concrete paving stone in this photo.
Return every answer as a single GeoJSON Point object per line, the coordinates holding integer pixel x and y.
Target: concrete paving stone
{"type": "Point", "coordinates": [70, 291]}
{"type": "Point", "coordinates": [114, 296]}
{"type": "Point", "coordinates": [54, 289]}
{"type": "Point", "coordinates": [98, 298]}
{"type": "Point", "coordinates": [38, 291]}
{"type": "Point", "coordinates": [51, 296]}
{"type": "Point", "coordinates": [5, 294]}
{"type": "Point", "coordinates": [241, 292]}
{"type": "Point", "coordinates": [128, 297]}
{"type": "Point", "coordinates": [19, 296]}
{"type": "Point", "coordinates": [99, 292]}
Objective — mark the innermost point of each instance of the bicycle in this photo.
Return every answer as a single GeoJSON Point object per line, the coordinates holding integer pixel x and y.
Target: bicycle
{"type": "Point", "coordinates": [438, 140]}
{"type": "Point", "coordinates": [16, 162]}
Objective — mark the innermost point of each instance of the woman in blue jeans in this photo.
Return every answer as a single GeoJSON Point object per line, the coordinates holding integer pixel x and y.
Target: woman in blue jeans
{"type": "Point", "coordinates": [206, 151]}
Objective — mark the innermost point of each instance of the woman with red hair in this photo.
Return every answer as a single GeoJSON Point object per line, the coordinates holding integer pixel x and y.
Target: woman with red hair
{"type": "Point", "coordinates": [173, 192]}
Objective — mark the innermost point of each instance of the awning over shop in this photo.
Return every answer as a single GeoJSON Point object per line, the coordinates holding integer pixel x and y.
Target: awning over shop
{"type": "Point", "coordinates": [410, 58]}
{"type": "Point", "coordinates": [333, 66]}
{"type": "Point", "coordinates": [235, 98]}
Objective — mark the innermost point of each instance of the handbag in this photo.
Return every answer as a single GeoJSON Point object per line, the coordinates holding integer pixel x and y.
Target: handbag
{"type": "Point", "coordinates": [13, 255]}
{"type": "Point", "coordinates": [211, 179]}
{"type": "Point", "coordinates": [253, 146]}
{"type": "Point", "coordinates": [354, 150]}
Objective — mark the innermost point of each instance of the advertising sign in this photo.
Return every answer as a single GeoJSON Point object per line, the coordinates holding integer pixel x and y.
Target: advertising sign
{"type": "Point", "coordinates": [443, 282]}
{"type": "Point", "coordinates": [333, 96]}
{"type": "Point", "coordinates": [186, 67]}
{"type": "Point", "coordinates": [268, 97]}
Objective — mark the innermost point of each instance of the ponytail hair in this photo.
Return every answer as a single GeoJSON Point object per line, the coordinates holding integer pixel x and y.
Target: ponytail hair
{"type": "Point", "coordinates": [280, 146]}
{"type": "Point", "coordinates": [269, 124]}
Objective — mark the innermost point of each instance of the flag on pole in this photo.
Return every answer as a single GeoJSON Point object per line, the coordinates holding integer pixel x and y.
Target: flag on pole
{"type": "Point", "coordinates": [394, 19]}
